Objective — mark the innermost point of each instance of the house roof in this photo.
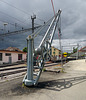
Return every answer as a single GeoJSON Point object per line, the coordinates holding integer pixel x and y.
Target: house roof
{"type": "Point", "coordinates": [7, 51]}
{"type": "Point", "coordinates": [55, 48]}
{"type": "Point", "coordinates": [83, 49]}
{"type": "Point", "coordinates": [12, 49]}
{"type": "Point", "coordinates": [79, 54]}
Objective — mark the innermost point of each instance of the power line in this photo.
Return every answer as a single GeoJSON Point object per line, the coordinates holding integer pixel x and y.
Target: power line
{"type": "Point", "coordinates": [11, 23]}
{"type": "Point", "coordinates": [37, 24]}
{"type": "Point", "coordinates": [18, 32]}
{"type": "Point", "coordinates": [40, 19]}
{"type": "Point", "coordinates": [15, 7]}
{"type": "Point", "coordinates": [39, 30]}
{"type": "Point", "coordinates": [13, 17]}
{"type": "Point", "coordinates": [20, 10]}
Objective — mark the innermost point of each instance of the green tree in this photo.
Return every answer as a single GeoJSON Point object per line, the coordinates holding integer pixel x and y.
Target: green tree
{"type": "Point", "coordinates": [75, 49]}
{"type": "Point", "coordinates": [68, 54]}
{"type": "Point", "coordinates": [25, 49]}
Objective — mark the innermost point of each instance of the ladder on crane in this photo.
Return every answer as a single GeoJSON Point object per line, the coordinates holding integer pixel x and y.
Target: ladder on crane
{"type": "Point", "coordinates": [40, 54]}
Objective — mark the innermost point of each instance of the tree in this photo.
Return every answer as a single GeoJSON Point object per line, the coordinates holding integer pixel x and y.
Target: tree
{"type": "Point", "coordinates": [75, 49]}
{"type": "Point", "coordinates": [68, 54]}
{"type": "Point", "coordinates": [25, 49]}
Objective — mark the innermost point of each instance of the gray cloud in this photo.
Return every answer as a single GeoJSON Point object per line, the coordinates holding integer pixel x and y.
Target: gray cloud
{"type": "Point", "coordinates": [73, 17]}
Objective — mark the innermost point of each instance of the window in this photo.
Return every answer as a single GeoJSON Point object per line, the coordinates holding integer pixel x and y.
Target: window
{"type": "Point", "coordinates": [0, 56]}
{"type": "Point", "coordinates": [7, 54]}
{"type": "Point", "coordinates": [19, 56]}
{"type": "Point", "coordinates": [54, 53]}
{"type": "Point", "coordinates": [16, 50]}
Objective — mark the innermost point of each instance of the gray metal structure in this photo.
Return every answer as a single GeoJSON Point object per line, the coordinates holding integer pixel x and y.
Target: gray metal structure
{"type": "Point", "coordinates": [37, 57]}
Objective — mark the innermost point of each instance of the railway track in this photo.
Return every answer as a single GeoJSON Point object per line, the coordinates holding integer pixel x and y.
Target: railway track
{"type": "Point", "coordinates": [15, 69]}
{"type": "Point", "coordinates": [22, 68]}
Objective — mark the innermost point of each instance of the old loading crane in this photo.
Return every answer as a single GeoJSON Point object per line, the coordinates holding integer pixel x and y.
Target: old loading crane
{"type": "Point", "coordinates": [43, 50]}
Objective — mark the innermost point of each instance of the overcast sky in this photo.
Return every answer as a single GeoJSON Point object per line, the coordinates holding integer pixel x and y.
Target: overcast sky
{"type": "Point", "coordinates": [73, 16]}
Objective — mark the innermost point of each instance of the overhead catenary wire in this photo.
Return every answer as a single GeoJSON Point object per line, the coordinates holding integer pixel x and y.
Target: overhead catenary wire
{"type": "Point", "coordinates": [10, 23]}
{"type": "Point", "coordinates": [37, 24]}
{"type": "Point", "coordinates": [15, 7]}
{"type": "Point", "coordinates": [17, 32]}
{"type": "Point", "coordinates": [13, 17]}
{"type": "Point", "coordinates": [24, 22]}
{"type": "Point", "coordinates": [10, 31]}
{"type": "Point", "coordinates": [42, 27]}
{"type": "Point", "coordinates": [40, 19]}
{"type": "Point", "coordinates": [19, 9]}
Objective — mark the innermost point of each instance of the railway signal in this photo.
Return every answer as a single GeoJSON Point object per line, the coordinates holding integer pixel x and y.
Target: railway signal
{"type": "Point", "coordinates": [65, 54]}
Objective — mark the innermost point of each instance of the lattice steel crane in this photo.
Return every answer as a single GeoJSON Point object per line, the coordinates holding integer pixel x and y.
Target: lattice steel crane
{"type": "Point", "coordinates": [40, 54]}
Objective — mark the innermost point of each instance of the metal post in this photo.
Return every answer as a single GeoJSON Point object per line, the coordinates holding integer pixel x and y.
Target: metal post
{"type": "Point", "coordinates": [59, 34]}
{"type": "Point", "coordinates": [5, 24]}
{"type": "Point", "coordinates": [61, 53]}
{"type": "Point", "coordinates": [33, 17]}
{"type": "Point", "coordinates": [77, 54]}
{"type": "Point", "coordinates": [29, 81]}
{"type": "Point", "coordinates": [77, 51]}
{"type": "Point", "coordinates": [85, 56]}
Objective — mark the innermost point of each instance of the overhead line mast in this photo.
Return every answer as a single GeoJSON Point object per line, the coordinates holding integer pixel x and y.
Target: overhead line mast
{"type": "Point", "coordinates": [59, 34]}
{"type": "Point", "coordinates": [33, 17]}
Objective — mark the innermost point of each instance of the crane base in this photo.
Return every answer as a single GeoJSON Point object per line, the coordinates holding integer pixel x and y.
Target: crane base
{"type": "Point", "coordinates": [28, 82]}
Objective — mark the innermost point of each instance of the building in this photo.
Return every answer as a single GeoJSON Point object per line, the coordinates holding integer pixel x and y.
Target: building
{"type": "Point", "coordinates": [11, 55]}
{"type": "Point", "coordinates": [80, 53]}
{"type": "Point", "coordinates": [83, 49]}
{"type": "Point", "coordinates": [56, 53]}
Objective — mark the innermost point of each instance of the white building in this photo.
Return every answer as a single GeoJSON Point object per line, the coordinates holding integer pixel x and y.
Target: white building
{"type": "Point", "coordinates": [11, 56]}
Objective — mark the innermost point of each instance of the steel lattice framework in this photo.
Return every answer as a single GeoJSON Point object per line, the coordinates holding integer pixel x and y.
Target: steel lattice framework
{"type": "Point", "coordinates": [37, 57]}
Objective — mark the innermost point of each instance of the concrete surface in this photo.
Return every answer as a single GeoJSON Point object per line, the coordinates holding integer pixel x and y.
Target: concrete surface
{"type": "Point", "coordinates": [70, 85]}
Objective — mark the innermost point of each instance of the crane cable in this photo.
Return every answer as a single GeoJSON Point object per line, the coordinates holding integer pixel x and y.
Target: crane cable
{"type": "Point", "coordinates": [53, 7]}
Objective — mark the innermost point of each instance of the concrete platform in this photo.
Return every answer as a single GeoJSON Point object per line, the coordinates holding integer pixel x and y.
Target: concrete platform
{"type": "Point", "coordinates": [70, 85]}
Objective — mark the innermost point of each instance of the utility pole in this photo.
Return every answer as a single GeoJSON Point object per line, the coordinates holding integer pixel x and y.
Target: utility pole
{"type": "Point", "coordinates": [77, 54]}
{"type": "Point", "coordinates": [61, 51]}
{"type": "Point", "coordinates": [33, 17]}
{"type": "Point", "coordinates": [5, 24]}
{"type": "Point", "coordinates": [59, 34]}
{"type": "Point", "coordinates": [85, 56]}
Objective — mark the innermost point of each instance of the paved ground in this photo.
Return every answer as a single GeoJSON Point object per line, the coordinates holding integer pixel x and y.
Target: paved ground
{"type": "Point", "coordinates": [70, 85]}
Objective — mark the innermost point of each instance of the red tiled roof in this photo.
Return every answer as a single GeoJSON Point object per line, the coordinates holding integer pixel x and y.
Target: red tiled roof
{"type": "Point", "coordinates": [55, 48]}
{"type": "Point", "coordinates": [82, 49]}
{"type": "Point", "coordinates": [12, 51]}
